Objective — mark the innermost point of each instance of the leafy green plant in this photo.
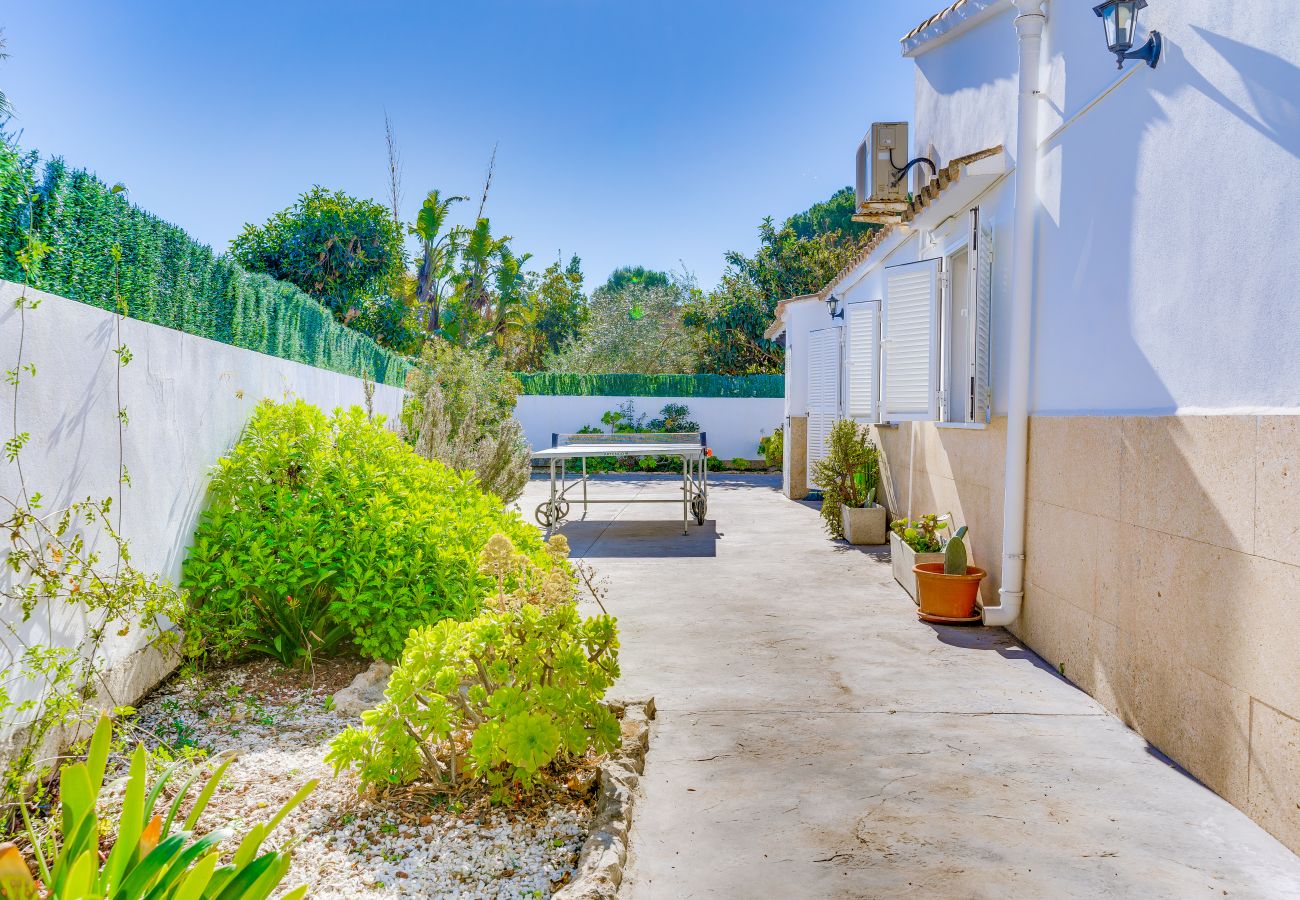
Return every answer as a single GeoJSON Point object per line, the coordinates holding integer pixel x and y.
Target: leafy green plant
{"type": "Point", "coordinates": [773, 448]}
{"type": "Point", "coordinates": [309, 509]}
{"type": "Point", "coordinates": [148, 858]}
{"type": "Point", "coordinates": [922, 534]}
{"type": "Point", "coordinates": [497, 698]}
{"type": "Point", "coordinates": [740, 464]}
{"type": "Point", "coordinates": [849, 474]}
{"type": "Point", "coordinates": [674, 418]}
{"type": "Point", "coordinates": [954, 554]}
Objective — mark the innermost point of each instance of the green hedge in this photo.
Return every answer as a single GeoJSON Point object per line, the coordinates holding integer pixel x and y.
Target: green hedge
{"type": "Point", "coordinates": [574, 385]}
{"type": "Point", "coordinates": [167, 277]}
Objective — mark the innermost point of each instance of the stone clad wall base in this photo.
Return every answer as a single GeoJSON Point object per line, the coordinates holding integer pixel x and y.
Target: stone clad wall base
{"type": "Point", "coordinates": [796, 458]}
{"type": "Point", "coordinates": [1162, 569]}
{"type": "Point", "coordinates": [795, 464]}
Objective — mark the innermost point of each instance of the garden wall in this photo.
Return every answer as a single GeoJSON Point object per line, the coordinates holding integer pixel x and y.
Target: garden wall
{"type": "Point", "coordinates": [734, 424]}
{"type": "Point", "coordinates": [187, 398]}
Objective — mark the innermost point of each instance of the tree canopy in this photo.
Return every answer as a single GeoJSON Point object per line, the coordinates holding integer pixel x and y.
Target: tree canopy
{"type": "Point", "coordinates": [625, 275]}
{"type": "Point", "coordinates": [346, 252]}
{"type": "Point", "coordinates": [799, 257]}
{"type": "Point", "coordinates": [634, 328]}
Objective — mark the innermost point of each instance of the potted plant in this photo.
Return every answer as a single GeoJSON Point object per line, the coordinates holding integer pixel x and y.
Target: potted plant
{"type": "Point", "coordinates": [911, 542]}
{"type": "Point", "coordinates": [949, 591]}
{"type": "Point", "coordinates": [849, 476]}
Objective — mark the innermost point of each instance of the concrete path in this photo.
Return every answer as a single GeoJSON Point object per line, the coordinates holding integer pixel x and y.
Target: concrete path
{"type": "Point", "coordinates": [815, 740]}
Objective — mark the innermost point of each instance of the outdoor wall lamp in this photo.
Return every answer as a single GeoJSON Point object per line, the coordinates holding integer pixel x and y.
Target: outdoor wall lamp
{"type": "Point", "coordinates": [1120, 18]}
{"type": "Point", "coordinates": [833, 307]}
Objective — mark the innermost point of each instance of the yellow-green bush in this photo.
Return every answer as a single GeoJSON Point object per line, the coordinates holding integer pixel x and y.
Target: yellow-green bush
{"type": "Point", "coordinates": [498, 698]}
{"type": "Point", "coordinates": [323, 529]}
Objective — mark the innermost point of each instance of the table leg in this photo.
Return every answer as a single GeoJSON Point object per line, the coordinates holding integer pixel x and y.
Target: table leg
{"type": "Point", "coordinates": [686, 497]}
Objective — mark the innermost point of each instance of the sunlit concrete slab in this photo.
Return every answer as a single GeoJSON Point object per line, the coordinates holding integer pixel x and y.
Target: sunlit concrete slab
{"type": "Point", "coordinates": [815, 740]}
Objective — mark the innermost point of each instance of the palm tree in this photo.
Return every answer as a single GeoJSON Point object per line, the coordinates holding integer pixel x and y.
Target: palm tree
{"type": "Point", "coordinates": [439, 251]}
{"type": "Point", "coordinates": [509, 279]}
{"type": "Point", "coordinates": [479, 252]}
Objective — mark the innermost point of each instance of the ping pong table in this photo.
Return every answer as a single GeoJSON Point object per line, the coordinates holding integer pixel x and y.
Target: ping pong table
{"type": "Point", "coordinates": [690, 447]}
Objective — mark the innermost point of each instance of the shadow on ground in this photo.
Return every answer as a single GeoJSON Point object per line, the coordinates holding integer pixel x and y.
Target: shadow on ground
{"type": "Point", "coordinates": [638, 539]}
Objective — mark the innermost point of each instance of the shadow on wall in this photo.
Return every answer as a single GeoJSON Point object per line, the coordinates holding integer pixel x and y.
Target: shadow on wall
{"type": "Point", "coordinates": [1090, 193]}
{"type": "Point", "coordinates": [1261, 72]}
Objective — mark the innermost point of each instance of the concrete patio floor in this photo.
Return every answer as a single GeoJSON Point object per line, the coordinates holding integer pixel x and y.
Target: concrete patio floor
{"type": "Point", "coordinates": [815, 740]}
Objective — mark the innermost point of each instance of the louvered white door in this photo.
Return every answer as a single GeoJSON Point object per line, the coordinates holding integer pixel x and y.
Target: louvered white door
{"type": "Point", "coordinates": [910, 342]}
{"type": "Point", "coordinates": [862, 360]}
{"type": "Point", "coordinates": [823, 393]}
{"type": "Point", "coordinates": [982, 333]}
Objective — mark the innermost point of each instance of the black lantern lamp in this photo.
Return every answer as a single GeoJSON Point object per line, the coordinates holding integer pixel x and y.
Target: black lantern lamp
{"type": "Point", "coordinates": [1120, 18]}
{"type": "Point", "coordinates": [833, 307]}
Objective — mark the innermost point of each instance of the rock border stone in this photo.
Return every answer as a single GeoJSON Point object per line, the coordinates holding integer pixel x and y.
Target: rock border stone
{"type": "Point", "coordinates": [604, 853]}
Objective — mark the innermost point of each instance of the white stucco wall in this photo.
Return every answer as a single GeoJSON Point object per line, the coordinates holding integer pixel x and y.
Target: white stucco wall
{"type": "Point", "coordinates": [1166, 282]}
{"type": "Point", "coordinates": [734, 424]}
{"type": "Point", "coordinates": [187, 397]}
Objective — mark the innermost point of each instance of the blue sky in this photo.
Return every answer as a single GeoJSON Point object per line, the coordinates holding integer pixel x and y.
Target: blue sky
{"type": "Point", "coordinates": [652, 133]}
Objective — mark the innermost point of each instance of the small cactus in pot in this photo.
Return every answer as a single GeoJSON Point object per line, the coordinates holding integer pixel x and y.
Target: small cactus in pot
{"type": "Point", "coordinates": [949, 591]}
{"type": "Point", "coordinates": [954, 554]}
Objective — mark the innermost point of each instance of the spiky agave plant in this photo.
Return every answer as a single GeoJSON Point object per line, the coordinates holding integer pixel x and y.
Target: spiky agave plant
{"type": "Point", "coordinates": [148, 859]}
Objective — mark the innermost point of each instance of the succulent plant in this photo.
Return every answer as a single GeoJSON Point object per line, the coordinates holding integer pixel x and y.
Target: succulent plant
{"type": "Point", "coordinates": [954, 554]}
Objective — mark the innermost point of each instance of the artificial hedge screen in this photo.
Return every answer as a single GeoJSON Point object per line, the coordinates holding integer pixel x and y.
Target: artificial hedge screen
{"type": "Point", "coordinates": [166, 277]}
{"type": "Point", "coordinates": [625, 385]}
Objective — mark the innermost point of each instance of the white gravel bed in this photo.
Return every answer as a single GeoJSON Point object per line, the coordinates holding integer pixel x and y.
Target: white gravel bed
{"type": "Point", "coordinates": [350, 847]}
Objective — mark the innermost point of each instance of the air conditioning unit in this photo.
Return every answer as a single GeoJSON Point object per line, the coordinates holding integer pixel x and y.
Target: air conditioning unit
{"type": "Point", "coordinates": [882, 153]}
{"type": "Point", "coordinates": [881, 194]}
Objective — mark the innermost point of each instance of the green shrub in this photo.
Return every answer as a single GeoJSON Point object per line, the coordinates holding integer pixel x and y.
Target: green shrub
{"type": "Point", "coordinates": [773, 448]}
{"type": "Point", "coordinates": [739, 463]}
{"type": "Point", "coordinates": [461, 413]}
{"type": "Point", "coordinates": [630, 385]}
{"type": "Point", "coordinates": [166, 277]}
{"type": "Point", "coordinates": [849, 474]}
{"type": "Point", "coordinates": [148, 858]}
{"type": "Point", "coordinates": [335, 515]}
{"type": "Point", "coordinates": [498, 698]}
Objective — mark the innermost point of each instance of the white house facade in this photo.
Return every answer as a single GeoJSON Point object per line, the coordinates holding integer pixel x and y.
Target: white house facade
{"type": "Point", "coordinates": [1081, 337]}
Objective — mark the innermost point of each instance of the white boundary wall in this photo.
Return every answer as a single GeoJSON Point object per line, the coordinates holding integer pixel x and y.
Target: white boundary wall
{"type": "Point", "coordinates": [734, 424]}
{"type": "Point", "coordinates": [187, 398]}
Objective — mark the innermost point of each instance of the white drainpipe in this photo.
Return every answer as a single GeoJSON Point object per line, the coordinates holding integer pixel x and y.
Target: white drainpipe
{"type": "Point", "coordinates": [1029, 28]}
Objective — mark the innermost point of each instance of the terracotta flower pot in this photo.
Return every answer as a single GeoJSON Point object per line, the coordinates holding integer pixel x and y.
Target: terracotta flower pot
{"type": "Point", "coordinates": [947, 596]}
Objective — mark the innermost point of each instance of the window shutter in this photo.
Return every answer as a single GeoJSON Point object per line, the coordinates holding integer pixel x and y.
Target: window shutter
{"type": "Point", "coordinates": [982, 358]}
{"type": "Point", "coordinates": [863, 357]}
{"type": "Point", "coordinates": [911, 342]}
{"type": "Point", "coordinates": [823, 392]}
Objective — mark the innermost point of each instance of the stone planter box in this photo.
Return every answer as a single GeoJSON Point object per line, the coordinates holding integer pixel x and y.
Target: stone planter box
{"type": "Point", "coordinates": [864, 525]}
{"type": "Point", "coordinates": [902, 558]}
